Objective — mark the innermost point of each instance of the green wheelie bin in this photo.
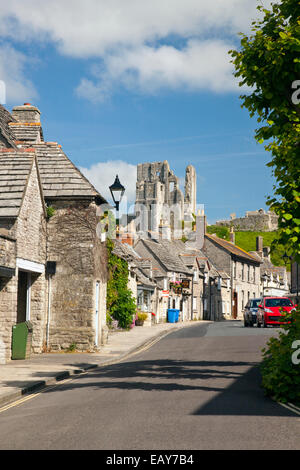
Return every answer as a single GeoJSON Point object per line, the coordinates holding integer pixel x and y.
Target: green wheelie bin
{"type": "Point", "coordinates": [21, 340]}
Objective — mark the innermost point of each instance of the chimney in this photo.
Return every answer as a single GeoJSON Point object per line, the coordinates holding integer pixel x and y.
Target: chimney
{"type": "Point", "coordinates": [26, 113]}
{"type": "Point", "coordinates": [266, 252]}
{"type": "Point", "coordinates": [200, 229]}
{"type": "Point", "coordinates": [259, 245]}
{"type": "Point", "coordinates": [232, 235]}
{"type": "Point", "coordinates": [164, 231]}
{"type": "Point", "coordinates": [127, 238]}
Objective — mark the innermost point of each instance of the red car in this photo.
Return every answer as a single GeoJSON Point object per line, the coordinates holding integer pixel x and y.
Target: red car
{"type": "Point", "coordinates": [271, 309]}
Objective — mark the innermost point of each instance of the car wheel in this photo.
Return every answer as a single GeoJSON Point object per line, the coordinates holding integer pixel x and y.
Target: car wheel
{"type": "Point", "coordinates": [251, 324]}
{"type": "Point", "coordinates": [258, 324]}
{"type": "Point", "coordinates": [264, 323]}
{"type": "Point", "coordinates": [245, 322]}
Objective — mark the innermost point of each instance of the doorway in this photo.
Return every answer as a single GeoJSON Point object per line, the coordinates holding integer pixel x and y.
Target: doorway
{"type": "Point", "coordinates": [24, 296]}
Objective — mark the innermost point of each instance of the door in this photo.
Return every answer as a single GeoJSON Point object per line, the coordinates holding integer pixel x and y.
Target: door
{"type": "Point", "coordinates": [235, 305]}
{"type": "Point", "coordinates": [97, 314]}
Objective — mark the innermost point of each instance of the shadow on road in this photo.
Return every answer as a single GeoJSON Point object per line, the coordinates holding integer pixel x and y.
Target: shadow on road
{"type": "Point", "coordinates": [233, 388]}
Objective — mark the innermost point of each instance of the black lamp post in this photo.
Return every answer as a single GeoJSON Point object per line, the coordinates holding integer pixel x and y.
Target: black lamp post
{"type": "Point", "coordinates": [117, 190]}
{"type": "Point", "coordinates": [265, 278]}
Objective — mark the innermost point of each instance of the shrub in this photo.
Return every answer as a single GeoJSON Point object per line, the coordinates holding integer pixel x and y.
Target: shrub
{"type": "Point", "coordinates": [121, 304]}
{"type": "Point", "coordinates": [280, 376]}
{"type": "Point", "coordinates": [142, 316]}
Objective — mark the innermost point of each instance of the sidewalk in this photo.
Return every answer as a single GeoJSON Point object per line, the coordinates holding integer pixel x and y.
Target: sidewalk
{"type": "Point", "coordinates": [24, 376]}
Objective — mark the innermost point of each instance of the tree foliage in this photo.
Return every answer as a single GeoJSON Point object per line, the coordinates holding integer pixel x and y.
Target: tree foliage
{"type": "Point", "coordinates": [269, 64]}
{"type": "Point", "coordinates": [279, 369]}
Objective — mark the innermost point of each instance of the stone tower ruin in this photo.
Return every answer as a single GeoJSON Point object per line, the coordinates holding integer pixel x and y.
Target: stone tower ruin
{"type": "Point", "coordinates": [159, 200]}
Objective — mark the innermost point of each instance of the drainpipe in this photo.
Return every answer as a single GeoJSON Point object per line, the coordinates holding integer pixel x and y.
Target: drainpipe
{"type": "Point", "coordinates": [192, 309]}
{"type": "Point", "coordinates": [49, 311]}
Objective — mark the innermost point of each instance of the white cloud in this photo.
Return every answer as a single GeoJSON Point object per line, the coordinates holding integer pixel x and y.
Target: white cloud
{"type": "Point", "coordinates": [103, 174]}
{"type": "Point", "coordinates": [17, 87]}
{"type": "Point", "coordinates": [201, 65]}
{"type": "Point", "coordinates": [132, 39]}
{"type": "Point", "coordinates": [93, 27]}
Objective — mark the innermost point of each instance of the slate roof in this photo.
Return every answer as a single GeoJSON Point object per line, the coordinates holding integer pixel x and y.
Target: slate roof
{"type": "Point", "coordinates": [15, 167]}
{"type": "Point", "coordinates": [7, 133]}
{"type": "Point", "coordinates": [268, 267]}
{"type": "Point", "coordinates": [59, 176]}
{"type": "Point", "coordinates": [26, 131]}
{"type": "Point", "coordinates": [163, 251]}
{"type": "Point", "coordinates": [231, 248]}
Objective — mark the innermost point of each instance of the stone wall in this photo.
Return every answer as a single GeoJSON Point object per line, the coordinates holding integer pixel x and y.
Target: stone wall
{"type": "Point", "coordinates": [219, 256]}
{"type": "Point", "coordinates": [81, 261]}
{"type": "Point", "coordinates": [254, 221]}
{"type": "Point", "coordinates": [31, 235]}
{"type": "Point", "coordinates": [30, 229]}
{"type": "Point", "coordinates": [7, 252]}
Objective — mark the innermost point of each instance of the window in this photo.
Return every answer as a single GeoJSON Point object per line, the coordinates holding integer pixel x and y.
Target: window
{"type": "Point", "coordinates": [243, 271]}
{"type": "Point", "coordinates": [255, 303]}
{"type": "Point", "coordinates": [234, 270]}
{"type": "Point", "coordinates": [278, 303]}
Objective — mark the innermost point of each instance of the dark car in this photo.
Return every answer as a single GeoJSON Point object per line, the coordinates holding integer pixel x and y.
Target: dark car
{"type": "Point", "coordinates": [250, 312]}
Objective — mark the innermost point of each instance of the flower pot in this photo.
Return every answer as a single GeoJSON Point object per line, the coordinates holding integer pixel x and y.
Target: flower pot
{"type": "Point", "coordinates": [139, 322]}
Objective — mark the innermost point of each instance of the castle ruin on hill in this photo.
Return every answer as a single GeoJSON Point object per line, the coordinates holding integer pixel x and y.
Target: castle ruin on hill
{"type": "Point", "coordinates": [254, 221]}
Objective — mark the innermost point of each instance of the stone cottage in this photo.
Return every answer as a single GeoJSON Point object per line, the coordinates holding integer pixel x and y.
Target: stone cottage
{"type": "Point", "coordinates": [23, 240]}
{"type": "Point", "coordinates": [55, 266]}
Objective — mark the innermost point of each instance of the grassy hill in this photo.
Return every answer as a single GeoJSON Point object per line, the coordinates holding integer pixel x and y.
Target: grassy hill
{"type": "Point", "coordinates": [247, 241]}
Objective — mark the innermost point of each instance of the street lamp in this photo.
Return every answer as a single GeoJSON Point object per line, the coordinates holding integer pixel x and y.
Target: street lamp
{"type": "Point", "coordinates": [265, 277]}
{"type": "Point", "coordinates": [117, 190]}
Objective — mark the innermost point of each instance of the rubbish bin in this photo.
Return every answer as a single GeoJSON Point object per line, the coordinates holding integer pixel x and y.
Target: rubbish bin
{"type": "Point", "coordinates": [177, 316]}
{"type": "Point", "coordinates": [172, 315]}
{"type": "Point", "coordinates": [21, 340]}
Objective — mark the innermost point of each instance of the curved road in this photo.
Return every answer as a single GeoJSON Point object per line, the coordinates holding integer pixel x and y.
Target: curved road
{"type": "Point", "coordinates": [198, 388]}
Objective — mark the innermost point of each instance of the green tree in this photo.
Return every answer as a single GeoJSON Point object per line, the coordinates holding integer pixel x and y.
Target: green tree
{"type": "Point", "coordinates": [120, 302]}
{"type": "Point", "coordinates": [269, 63]}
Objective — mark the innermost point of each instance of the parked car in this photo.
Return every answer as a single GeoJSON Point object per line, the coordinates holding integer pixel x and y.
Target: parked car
{"type": "Point", "coordinates": [250, 311]}
{"type": "Point", "coordinates": [270, 310]}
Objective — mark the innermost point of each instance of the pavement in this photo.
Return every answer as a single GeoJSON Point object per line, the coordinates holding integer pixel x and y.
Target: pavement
{"type": "Point", "coordinates": [21, 377]}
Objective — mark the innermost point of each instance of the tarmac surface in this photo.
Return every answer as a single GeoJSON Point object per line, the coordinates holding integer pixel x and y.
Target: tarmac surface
{"type": "Point", "coordinates": [21, 377]}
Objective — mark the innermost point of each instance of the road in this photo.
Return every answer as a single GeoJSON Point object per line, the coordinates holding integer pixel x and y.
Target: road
{"type": "Point", "coordinates": [198, 388]}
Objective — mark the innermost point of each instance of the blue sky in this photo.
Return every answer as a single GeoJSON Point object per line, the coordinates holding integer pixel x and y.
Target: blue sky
{"type": "Point", "coordinates": [118, 86]}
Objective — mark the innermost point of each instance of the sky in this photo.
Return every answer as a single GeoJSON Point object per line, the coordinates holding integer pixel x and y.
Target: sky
{"type": "Point", "coordinates": [123, 82]}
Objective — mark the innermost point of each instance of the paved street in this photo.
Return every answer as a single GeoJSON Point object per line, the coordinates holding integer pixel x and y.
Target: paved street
{"type": "Point", "coordinates": [197, 388]}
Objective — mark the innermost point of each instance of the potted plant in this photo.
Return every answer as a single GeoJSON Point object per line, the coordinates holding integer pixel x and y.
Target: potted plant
{"type": "Point", "coordinates": [140, 318]}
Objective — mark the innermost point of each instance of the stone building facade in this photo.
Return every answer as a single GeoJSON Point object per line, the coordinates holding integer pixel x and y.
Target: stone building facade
{"type": "Point", "coordinates": [242, 269]}
{"type": "Point", "coordinates": [54, 267]}
{"type": "Point", "coordinates": [22, 272]}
